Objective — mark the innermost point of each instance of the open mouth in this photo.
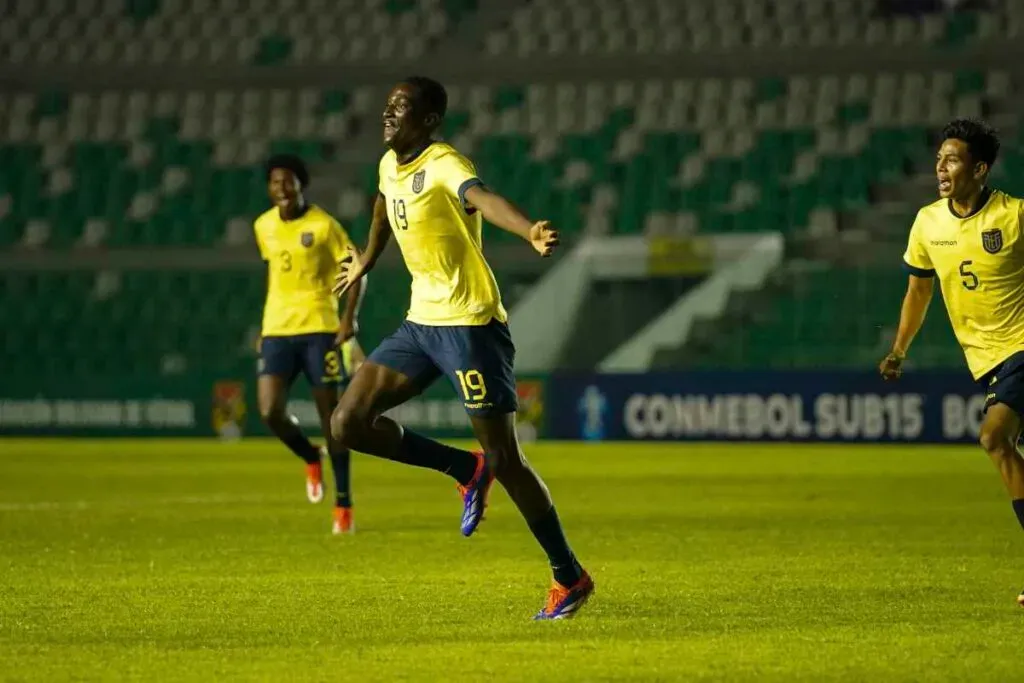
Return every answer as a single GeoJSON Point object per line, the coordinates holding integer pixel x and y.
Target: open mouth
{"type": "Point", "coordinates": [944, 185]}
{"type": "Point", "coordinates": [389, 128]}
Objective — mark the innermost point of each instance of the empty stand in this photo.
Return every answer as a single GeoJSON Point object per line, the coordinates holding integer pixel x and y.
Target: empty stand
{"type": "Point", "coordinates": [166, 167]}
{"type": "Point", "coordinates": [222, 32]}
{"type": "Point", "coordinates": [832, 318]}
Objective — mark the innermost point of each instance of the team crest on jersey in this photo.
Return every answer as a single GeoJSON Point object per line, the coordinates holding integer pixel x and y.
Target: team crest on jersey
{"type": "Point", "coordinates": [992, 240]}
{"type": "Point", "coordinates": [417, 181]}
{"type": "Point", "coordinates": [307, 239]}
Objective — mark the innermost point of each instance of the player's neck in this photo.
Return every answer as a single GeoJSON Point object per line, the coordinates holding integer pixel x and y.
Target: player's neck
{"type": "Point", "coordinates": [407, 156]}
{"type": "Point", "coordinates": [969, 205]}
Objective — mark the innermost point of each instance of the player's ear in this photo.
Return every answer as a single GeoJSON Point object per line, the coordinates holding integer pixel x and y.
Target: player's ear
{"type": "Point", "coordinates": [432, 120]}
{"type": "Point", "coordinates": [980, 170]}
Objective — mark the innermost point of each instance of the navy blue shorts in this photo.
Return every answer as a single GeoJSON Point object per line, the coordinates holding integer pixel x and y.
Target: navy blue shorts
{"type": "Point", "coordinates": [1005, 384]}
{"type": "Point", "coordinates": [477, 359]}
{"type": "Point", "coordinates": [314, 355]}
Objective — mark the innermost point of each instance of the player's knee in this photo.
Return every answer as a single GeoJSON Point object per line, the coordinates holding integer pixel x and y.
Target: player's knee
{"type": "Point", "coordinates": [346, 425]}
{"type": "Point", "coordinates": [995, 440]}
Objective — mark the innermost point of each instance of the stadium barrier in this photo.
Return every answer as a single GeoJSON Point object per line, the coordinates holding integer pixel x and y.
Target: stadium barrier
{"type": "Point", "coordinates": [926, 407]}
{"type": "Point", "coordinates": [200, 405]}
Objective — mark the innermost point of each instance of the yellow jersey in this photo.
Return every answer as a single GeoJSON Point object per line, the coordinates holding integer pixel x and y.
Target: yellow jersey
{"type": "Point", "coordinates": [979, 262]}
{"type": "Point", "coordinates": [302, 257]}
{"type": "Point", "coordinates": [439, 238]}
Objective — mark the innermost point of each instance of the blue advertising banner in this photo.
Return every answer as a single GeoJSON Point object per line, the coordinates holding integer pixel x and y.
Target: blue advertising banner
{"type": "Point", "coordinates": [765, 406]}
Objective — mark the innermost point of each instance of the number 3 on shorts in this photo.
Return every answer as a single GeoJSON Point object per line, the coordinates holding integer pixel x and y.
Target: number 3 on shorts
{"type": "Point", "coordinates": [472, 383]}
{"type": "Point", "coordinates": [332, 364]}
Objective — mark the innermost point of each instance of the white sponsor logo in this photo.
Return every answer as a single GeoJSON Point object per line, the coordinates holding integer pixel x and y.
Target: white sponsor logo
{"type": "Point", "coordinates": [159, 413]}
{"type": "Point", "coordinates": [776, 416]}
{"type": "Point", "coordinates": [961, 417]}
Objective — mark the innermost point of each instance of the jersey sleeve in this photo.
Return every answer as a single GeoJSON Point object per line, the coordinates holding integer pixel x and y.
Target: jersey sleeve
{"type": "Point", "coordinates": [458, 174]}
{"type": "Point", "coordinates": [259, 240]}
{"type": "Point", "coordinates": [337, 239]}
{"type": "Point", "coordinates": [916, 260]}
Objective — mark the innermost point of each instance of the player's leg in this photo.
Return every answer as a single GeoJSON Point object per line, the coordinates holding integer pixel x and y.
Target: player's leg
{"type": "Point", "coordinates": [278, 368]}
{"type": "Point", "coordinates": [1000, 431]}
{"type": "Point", "coordinates": [572, 585]}
{"type": "Point", "coordinates": [395, 372]}
{"type": "Point", "coordinates": [324, 369]}
{"type": "Point", "coordinates": [483, 374]}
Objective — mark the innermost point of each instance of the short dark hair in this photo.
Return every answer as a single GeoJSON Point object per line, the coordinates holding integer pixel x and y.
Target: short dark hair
{"type": "Point", "coordinates": [289, 162]}
{"type": "Point", "coordinates": [981, 139]}
{"type": "Point", "coordinates": [430, 93]}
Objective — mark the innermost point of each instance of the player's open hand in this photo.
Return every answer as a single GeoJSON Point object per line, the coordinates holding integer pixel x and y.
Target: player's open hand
{"type": "Point", "coordinates": [543, 237]}
{"type": "Point", "coordinates": [891, 367]}
{"type": "Point", "coordinates": [350, 269]}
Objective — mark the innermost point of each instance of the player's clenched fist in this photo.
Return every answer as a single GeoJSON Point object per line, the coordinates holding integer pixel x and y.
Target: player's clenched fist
{"type": "Point", "coordinates": [350, 269]}
{"type": "Point", "coordinates": [891, 366]}
{"type": "Point", "coordinates": [543, 237]}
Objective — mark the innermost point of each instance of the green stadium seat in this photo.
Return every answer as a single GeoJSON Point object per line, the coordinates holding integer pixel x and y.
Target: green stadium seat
{"type": "Point", "coordinates": [831, 319]}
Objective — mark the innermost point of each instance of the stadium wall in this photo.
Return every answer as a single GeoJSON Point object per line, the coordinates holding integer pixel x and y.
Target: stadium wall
{"type": "Point", "coordinates": [925, 407]}
{"type": "Point", "coordinates": [207, 405]}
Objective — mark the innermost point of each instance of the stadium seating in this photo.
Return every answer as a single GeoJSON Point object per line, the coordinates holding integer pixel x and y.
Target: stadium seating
{"type": "Point", "coordinates": [562, 27]}
{"type": "Point", "coordinates": [121, 169]}
{"type": "Point", "coordinates": [158, 321]}
{"type": "Point", "coordinates": [832, 318]}
{"type": "Point", "coordinates": [119, 322]}
{"type": "Point", "coordinates": [160, 167]}
{"type": "Point", "coordinates": [220, 32]}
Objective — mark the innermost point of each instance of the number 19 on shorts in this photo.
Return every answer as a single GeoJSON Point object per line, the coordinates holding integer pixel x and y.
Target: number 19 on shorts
{"type": "Point", "coordinates": [472, 384]}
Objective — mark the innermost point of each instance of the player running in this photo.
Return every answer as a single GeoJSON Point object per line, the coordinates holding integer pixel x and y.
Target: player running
{"type": "Point", "coordinates": [971, 239]}
{"type": "Point", "coordinates": [432, 201]}
{"type": "Point", "coordinates": [302, 328]}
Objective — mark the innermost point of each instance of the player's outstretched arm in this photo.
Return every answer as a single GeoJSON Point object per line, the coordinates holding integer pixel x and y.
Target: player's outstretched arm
{"type": "Point", "coordinates": [380, 233]}
{"type": "Point", "coordinates": [355, 265]}
{"type": "Point", "coordinates": [349, 326]}
{"type": "Point", "coordinates": [915, 305]}
{"type": "Point", "coordinates": [503, 213]}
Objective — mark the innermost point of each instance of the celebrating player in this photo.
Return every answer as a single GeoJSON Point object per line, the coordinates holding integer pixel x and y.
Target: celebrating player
{"type": "Point", "coordinates": [302, 329]}
{"type": "Point", "coordinates": [431, 200]}
{"type": "Point", "coordinates": [971, 240]}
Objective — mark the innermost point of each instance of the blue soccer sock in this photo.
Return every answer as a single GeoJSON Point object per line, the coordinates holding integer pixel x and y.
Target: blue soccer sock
{"type": "Point", "coordinates": [423, 452]}
{"type": "Point", "coordinates": [1018, 507]}
{"type": "Point", "coordinates": [341, 463]}
{"type": "Point", "coordinates": [548, 532]}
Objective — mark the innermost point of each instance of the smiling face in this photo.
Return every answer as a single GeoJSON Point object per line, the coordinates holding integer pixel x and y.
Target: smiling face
{"type": "Point", "coordinates": [959, 176]}
{"type": "Point", "coordinates": [284, 190]}
{"type": "Point", "coordinates": [407, 124]}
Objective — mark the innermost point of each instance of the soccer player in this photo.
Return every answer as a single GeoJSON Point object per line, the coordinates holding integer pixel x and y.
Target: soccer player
{"type": "Point", "coordinates": [971, 240]}
{"type": "Point", "coordinates": [303, 330]}
{"type": "Point", "coordinates": [431, 200]}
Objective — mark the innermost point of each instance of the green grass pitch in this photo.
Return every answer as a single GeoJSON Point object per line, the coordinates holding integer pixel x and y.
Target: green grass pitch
{"type": "Point", "coordinates": [197, 560]}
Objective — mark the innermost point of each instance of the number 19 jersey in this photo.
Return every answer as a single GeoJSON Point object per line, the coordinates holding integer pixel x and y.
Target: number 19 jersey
{"type": "Point", "coordinates": [440, 238]}
{"type": "Point", "coordinates": [979, 261]}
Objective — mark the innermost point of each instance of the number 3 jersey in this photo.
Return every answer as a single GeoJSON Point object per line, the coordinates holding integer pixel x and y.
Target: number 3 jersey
{"type": "Point", "coordinates": [979, 262]}
{"type": "Point", "coordinates": [440, 238]}
{"type": "Point", "coordinates": [302, 257]}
